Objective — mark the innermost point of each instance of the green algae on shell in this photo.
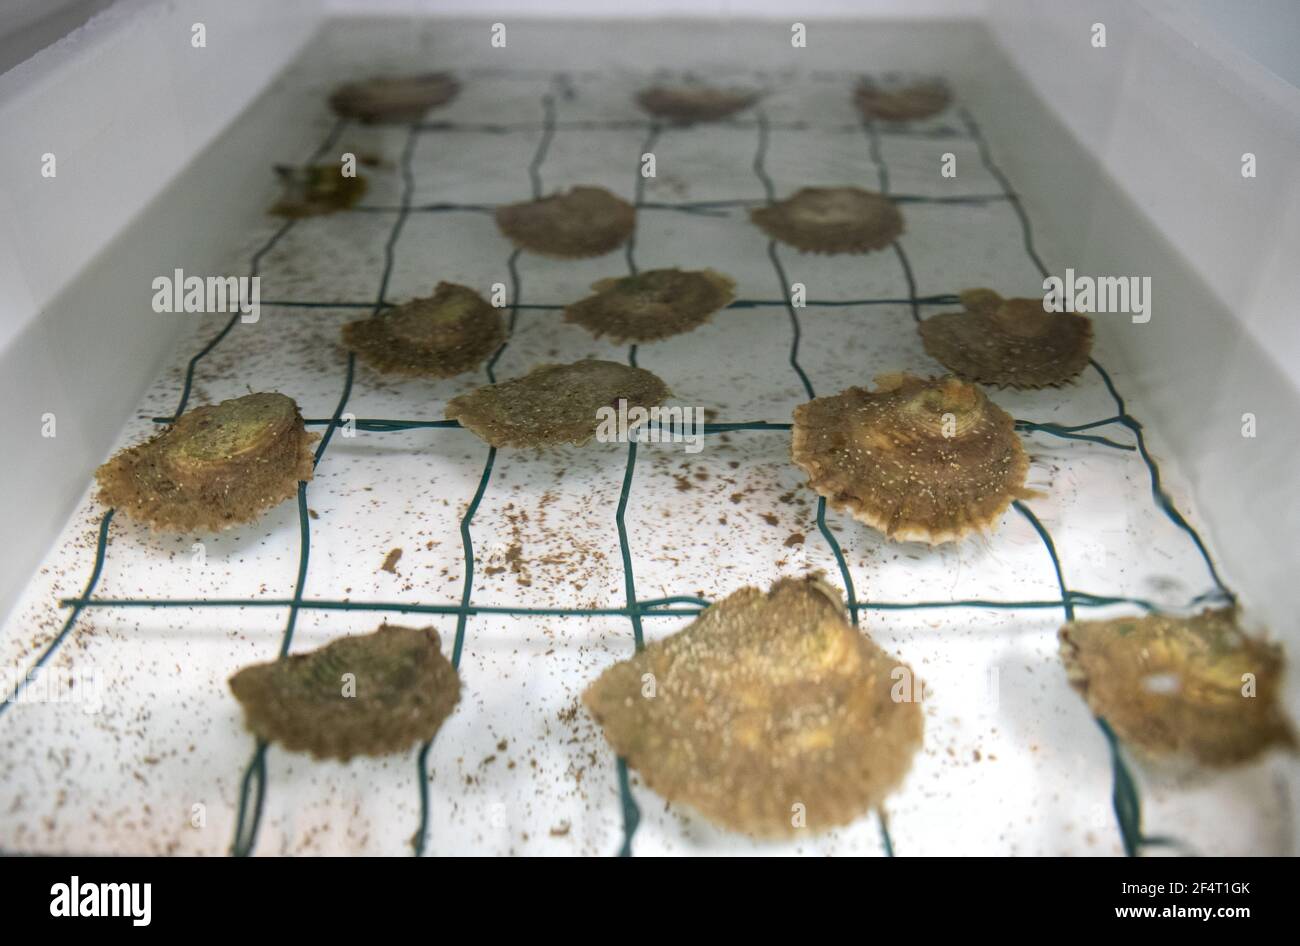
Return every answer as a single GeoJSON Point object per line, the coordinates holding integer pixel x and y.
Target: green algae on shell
{"type": "Point", "coordinates": [1008, 342]}
{"type": "Point", "coordinates": [316, 190]}
{"type": "Point", "coordinates": [394, 99]}
{"type": "Point", "coordinates": [1172, 687]}
{"type": "Point", "coordinates": [928, 460]}
{"type": "Point", "coordinates": [369, 695]}
{"type": "Point", "coordinates": [831, 220]}
{"type": "Point", "coordinates": [900, 103]}
{"type": "Point", "coordinates": [554, 404]}
{"type": "Point", "coordinates": [217, 466]}
{"type": "Point", "coordinates": [764, 708]}
{"type": "Point", "coordinates": [652, 305]}
{"type": "Point", "coordinates": [583, 222]}
{"type": "Point", "coordinates": [439, 336]}
{"type": "Point", "coordinates": [688, 104]}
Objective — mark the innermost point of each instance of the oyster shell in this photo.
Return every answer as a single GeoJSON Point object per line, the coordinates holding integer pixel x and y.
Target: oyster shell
{"type": "Point", "coordinates": [1008, 342]}
{"type": "Point", "coordinates": [369, 695]}
{"type": "Point", "coordinates": [439, 336]}
{"type": "Point", "coordinates": [217, 466]}
{"type": "Point", "coordinates": [764, 703]}
{"type": "Point", "coordinates": [929, 460]}
{"type": "Point", "coordinates": [831, 220]}
{"type": "Point", "coordinates": [554, 404]}
{"type": "Point", "coordinates": [901, 103]}
{"type": "Point", "coordinates": [1195, 687]}
{"type": "Point", "coordinates": [688, 104]}
{"type": "Point", "coordinates": [652, 305]}
{"type": "Point", "coordinates": [394, 99]}
{"type": "Point", "coordinates": [585, 221]}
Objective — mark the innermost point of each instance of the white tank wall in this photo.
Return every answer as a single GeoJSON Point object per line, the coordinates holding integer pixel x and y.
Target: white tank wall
{"type": "Point", "coordinates": [78, 338]}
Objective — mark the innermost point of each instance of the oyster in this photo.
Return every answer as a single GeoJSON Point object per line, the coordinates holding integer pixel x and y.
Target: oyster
{"type": "Point", "coordinates": [439, 336]}
{"type": "Point", "coordinates": [768, 713]}
{"type": "Point", "coordinates": [215, 467]}
{"type": "Point", "coordinates": [369, 695]}
{"type": "Point", "coordinates": [688, 104]}
{"type": "Point", "coordinates": [554, 404]}
{"type": "Point", "coordinates": [900, 103]}
{"type": "Point", "coordinates": [585, 221]}
{"type": "Point", "coordinates": [652, 305]}
{"type": "Point", "coordinates": [1195, 687]}
{"type": "Point", "coordinates": [394, 99]}
{"type": "Point", "coordinates": [831, 220]}
{"type": "Point", "coordinates": [924, 460]}
{"type": "Point", "coordinates": [1013, 342]}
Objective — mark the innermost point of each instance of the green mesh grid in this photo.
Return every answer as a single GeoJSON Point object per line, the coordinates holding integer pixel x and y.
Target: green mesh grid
{"type": "Point", "coordinates": [253, 786]}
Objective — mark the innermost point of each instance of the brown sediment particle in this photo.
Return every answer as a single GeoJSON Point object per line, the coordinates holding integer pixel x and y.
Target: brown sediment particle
{"type": "Point", "coordinates": [1008, 342]}
{"type": "Point", "coordinates": [899, 103]}
{"type": "Point", "coordinates": [439, 336]}
{"type": "Point", "coordinates": [315, 190]}
{"type": "Point", "coordinates": [1179, 686]}
{"type": "Point", "coordinates": [393, 99]}
{"type": "Point", "coordinates": [391, 560]}
{"type": "Point", "coordinates": [215, 467]}
{"type": "Point", "coordinates": [687, 104]}
{"type": "Point", "coordinates": [831, 220]}
{"type": "Point", "coordinates": [764, 703]}
{"type": "Point", "coordinates": [367, 695]}
{"type": "Point", "coordinates": [585, 221]}
{"type": "Point", "coordinates": [652, 305]}
{"type": "Point", "coordinates": [554, 404]}
{"type": "Point", "coordinates": [925, 460]}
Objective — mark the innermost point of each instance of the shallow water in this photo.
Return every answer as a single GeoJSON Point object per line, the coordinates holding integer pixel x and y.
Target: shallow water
{"type": "Point", "coordinates": [1012, 761]}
